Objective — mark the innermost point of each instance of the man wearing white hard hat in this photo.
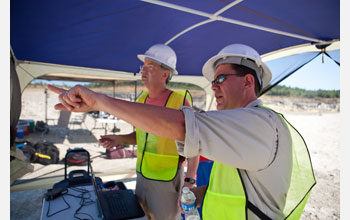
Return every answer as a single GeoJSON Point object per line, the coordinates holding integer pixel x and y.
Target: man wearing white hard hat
{"type": "Point", "coordinates": [159, 167]}
{"type": "Point", "coordinates": [262, 169]}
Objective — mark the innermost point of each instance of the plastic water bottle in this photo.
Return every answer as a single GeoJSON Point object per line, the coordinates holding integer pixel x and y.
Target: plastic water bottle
{"type": "Point", "coordinates": [189, 204]}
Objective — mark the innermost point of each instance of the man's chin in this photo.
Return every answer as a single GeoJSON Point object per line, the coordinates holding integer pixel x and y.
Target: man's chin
{"type": "Point", "coordinates": [143, 81]}
{"type": "Point", "coordinates": [219, 107]}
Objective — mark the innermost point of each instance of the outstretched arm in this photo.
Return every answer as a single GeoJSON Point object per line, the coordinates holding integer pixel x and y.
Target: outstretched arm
{"type": "Point", "coordinates": [110, 141]}
{"type": "Point", "coordinates": [161, 121]}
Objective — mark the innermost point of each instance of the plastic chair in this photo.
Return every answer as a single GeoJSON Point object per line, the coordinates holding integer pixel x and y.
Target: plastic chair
{"type": "Point", "coordinates": [80, 120]}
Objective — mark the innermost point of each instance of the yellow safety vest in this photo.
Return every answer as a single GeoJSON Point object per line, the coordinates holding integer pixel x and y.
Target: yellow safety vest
{"type": "Point", "coordinates": [226, 198]}
{"type": "Point", "coordinates": [157, 157]}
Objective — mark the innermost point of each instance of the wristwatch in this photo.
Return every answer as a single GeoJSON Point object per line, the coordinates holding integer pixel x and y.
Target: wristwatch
{"type": "Point", "coordinates": [190, 180]}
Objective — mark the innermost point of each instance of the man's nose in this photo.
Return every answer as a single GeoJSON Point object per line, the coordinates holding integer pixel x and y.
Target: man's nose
{"type": "Point", "coordinates": [214, 87]}
{"type": "Point", "coordinates": [143, 69]}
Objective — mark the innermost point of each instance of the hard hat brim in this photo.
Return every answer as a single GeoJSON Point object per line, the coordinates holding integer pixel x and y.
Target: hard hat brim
{"type": "Point", "coordinates": [142, 57]}
{"type": "Point", "coordinates": [208, 69]}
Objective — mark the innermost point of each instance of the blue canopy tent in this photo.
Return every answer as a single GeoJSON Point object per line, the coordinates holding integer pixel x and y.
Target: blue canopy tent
{"type": "Point", "coordinates": [90, 40]}
{"type": "Point", "coordinates": [99, 40]}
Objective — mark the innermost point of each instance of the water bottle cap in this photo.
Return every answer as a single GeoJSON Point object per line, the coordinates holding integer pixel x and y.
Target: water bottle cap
{"type": "Point", "coordinates": [185, 189]}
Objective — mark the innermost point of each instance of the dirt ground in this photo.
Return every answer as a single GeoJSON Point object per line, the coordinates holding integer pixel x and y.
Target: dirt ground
{"type": "Point", "coordinates": [317, 120]}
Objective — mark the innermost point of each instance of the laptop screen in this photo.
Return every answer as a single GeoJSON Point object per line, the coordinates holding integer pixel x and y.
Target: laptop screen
{"type": "Point", "coordinates": [97, 191]}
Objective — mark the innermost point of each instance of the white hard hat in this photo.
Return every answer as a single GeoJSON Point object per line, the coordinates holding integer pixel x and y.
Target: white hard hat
{"type": "Point", "coordinates": [163, 54]}
{"type": "Point", "coordinates": [239, 54]}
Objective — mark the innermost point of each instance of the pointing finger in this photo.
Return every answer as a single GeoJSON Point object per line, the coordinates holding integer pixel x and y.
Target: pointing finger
{"type": "Point", "coordinates": [56, 89]}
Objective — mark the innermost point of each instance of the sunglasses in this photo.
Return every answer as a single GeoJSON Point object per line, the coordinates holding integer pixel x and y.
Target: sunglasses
{"type": "Point", "coordinates": [221, 78]}
{"type": "Point", "coordinates": [146, 67]}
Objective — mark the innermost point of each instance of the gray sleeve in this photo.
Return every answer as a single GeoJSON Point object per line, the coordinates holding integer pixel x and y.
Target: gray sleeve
{"type": "Point", "coordinates": [192, 135]}
{"type": "Point", "coordinates": [245, 138]}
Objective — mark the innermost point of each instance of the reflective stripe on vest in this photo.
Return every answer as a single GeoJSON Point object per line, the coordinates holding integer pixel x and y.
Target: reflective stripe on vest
{"type": "Point", "coordinates": [225, 196]}
{"type": "Point", "coordinates": [157, 157]}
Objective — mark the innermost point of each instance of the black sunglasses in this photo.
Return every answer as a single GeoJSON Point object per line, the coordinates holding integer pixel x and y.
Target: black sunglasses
{"type": "Point", "coordinates": [221, 78]}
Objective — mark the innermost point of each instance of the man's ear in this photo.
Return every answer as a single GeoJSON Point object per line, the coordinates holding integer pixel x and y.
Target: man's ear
{"type": "Point", "coordinates": [165, 74]}
{"type": "Point", "coordinates": [249, 81]}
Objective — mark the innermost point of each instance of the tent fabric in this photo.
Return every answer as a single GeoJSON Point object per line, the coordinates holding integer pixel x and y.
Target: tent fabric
{"type": "Point", "coordinates": [334, 57]}
{"type": "Point", "coordinates": [285, 66]}
{"type": "Point", "coordinates": [15, 101]}
{"type": "Point", "coordinates": [107, 35]}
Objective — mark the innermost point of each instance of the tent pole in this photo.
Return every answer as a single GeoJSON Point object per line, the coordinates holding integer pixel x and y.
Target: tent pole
{"type": "Point", "coordinates": [113, 88]}
{"type": "Point", "coordinates": [45, 91]}
{"type": "Point", "coordinates": [135, 90]}
{"type": "Point", "coordinates": [214, 17]}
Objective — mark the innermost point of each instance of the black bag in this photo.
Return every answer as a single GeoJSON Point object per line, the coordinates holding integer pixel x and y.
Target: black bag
{"type": "Point", "coordinates": [28, 151]}
{"type": "Point", "coordinates": [43, 152]}
{"type": "Point", "coordinates": [46, 153]}
{"type": "Point", "coordinates": [42, 127]}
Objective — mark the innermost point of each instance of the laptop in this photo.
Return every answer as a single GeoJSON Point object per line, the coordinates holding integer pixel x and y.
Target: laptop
{"type": "Point", "coordinates": [117, 204]}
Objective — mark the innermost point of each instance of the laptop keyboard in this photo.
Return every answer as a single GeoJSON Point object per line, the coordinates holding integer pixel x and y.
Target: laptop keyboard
{"type": "Point", "coordinates": [116, 203]}
{"type": "Point", "coordinates": [120, 204]}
